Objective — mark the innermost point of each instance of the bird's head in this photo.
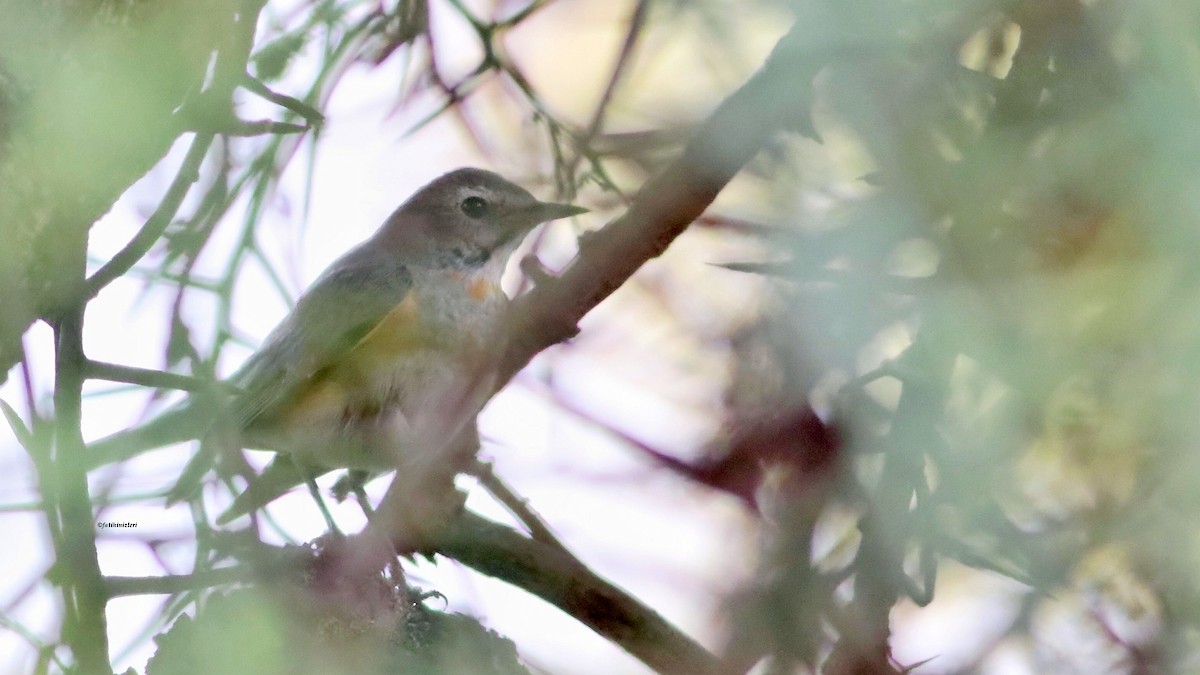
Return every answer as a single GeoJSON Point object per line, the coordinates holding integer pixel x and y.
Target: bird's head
{"type": "Point", "coordinates": [466, 219]}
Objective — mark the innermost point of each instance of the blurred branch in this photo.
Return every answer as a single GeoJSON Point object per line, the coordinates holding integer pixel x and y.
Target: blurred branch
{"type": "Point", "coordinates": [156, 224]}
{"type": "Point", "coordinates": [17, 425]}
{"type": "Point", "coordinates": [637, 24]}
{"type": "Point", "coordinates": [46, 651]}
{"type": "Point", "coordinates": [309, 113]}
{"type": "Point", "coordinates": [525, 12]}
{"type": "Point", "coordinates": [67, 502]}
{"type": "Point", "coordinates": [107, 127]}
{"type": "Point", "coordinates": [880, 579]}
{"type": "Point", "coordinates": [240, 127]}
{"type": "Point", "coordinates": [153, 379]}
{"type": "Point", "coordinates": [116, 587]}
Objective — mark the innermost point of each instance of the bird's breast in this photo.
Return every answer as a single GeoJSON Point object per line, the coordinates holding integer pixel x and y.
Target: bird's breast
{"type": "Point", "coordinates": [423, 342]}
{"type": "Point", "coordinates": [460, 305]}
{"type": "Point", "coordinates": [397, 370]}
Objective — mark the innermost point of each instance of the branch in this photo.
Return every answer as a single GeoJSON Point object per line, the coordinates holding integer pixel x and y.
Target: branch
{"type": "Point", "coordinates": [175, 583]}
{"type": "Point", "coordinates": [146, 377]}
{"type": "Point", "coordinates": [879, 575]}
{"type": "Point", "coordinates": [516, 505]}
{"type": "Point", "coordinates": [772, 101]}
{"type": "Point", "coordinates": [136, 249]}
{"type": "Point", "coordinates": [67, 501]}
{"type": "Point", "coordinates": [498, 551]}
{"type": "Point", "coordinates": [636, 25]}
{"type": "Point", "coordinates": [554, 576]}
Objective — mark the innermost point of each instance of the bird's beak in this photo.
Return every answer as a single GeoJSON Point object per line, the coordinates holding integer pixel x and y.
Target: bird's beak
{"type": "Point", "coordinates": [540, 212]}
{"type": "Point", "coordinates": [550, 211]}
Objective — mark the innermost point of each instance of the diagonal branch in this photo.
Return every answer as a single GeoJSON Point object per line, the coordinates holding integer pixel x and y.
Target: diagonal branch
{"type": "Point", "coordinates": [152, 231]}
{"type": "Point", "coordinates": [775, 99]}
{"type": "Point", "coordinates": [558, 578]}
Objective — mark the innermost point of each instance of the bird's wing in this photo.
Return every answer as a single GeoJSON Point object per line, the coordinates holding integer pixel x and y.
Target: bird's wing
{"type": "Point", "coordinates": [329, 320]}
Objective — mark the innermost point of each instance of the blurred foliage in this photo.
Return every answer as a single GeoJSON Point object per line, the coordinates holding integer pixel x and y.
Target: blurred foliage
{"type": "Point", "coordinates": [289, 627]}
{"type": "Point", "coordinates": [92, 94]}
{"type": "Point", "coordinates": [999, 314]}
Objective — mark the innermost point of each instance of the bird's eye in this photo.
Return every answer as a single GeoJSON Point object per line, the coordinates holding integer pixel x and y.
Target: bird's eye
{"type": "Point", "coordinates": [474, 207]}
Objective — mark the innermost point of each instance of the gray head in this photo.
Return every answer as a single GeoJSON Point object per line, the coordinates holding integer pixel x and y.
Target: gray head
{"type": "Point", "coordinates": [464, 219]}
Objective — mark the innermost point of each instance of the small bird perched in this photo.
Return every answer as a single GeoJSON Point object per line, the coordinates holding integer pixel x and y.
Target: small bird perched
{"type": "Point", "coordinates": [341, 380]}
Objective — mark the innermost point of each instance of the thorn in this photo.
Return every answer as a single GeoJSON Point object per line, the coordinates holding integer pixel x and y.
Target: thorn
{"type": "Point", "coordinates": [534, 270]}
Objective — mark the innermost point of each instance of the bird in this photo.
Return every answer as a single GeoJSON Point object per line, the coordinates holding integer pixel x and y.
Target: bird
{"type": "Point", "coordinates": [362, 354]}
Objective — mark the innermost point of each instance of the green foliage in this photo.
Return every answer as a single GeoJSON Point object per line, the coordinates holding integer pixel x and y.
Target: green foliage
{"type": "Point", "coordinates": [272, 631]}
{"type": "Point", "coordinates": [1001, 315]}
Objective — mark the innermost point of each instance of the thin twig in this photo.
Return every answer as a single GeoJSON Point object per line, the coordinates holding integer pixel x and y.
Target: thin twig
{"type": "Point", "coordinates": [517, 506]}
{"type": "Point", "coordinates": [524, 13]}
{"type": "Point", "coordinates": [309, 113]}
{"type": "Point", "coordinates": [29, 636]}
{"type": "Point", "coordinates": [116, 587]}
{"type": "Point", "coordinates": [636, 24]}
{"type": "Point", "coordinates": [136, 249]}
{"type": "Point", "coordinates": [154, 379]}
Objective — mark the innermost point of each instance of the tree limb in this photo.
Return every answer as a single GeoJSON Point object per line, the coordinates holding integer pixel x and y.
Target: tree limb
{"type": "Point", "coordinates": [554, 576]}
{"type": "Point", "coordinates": [774, 100]}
